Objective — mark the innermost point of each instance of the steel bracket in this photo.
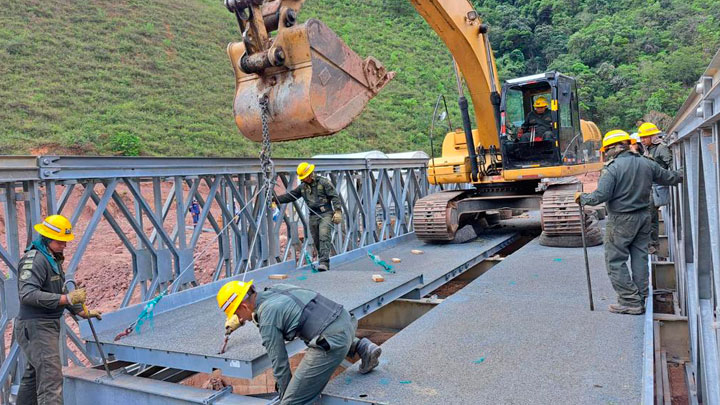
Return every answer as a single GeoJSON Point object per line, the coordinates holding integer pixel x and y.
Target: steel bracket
{"type": "Point", "coordinates": [217, 395]}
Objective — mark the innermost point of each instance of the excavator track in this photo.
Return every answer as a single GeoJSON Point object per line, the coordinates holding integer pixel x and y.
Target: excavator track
{"type": "Point", "coordinates": [435, 216]}
{"type": "Point", "coordinates": [560, 214]}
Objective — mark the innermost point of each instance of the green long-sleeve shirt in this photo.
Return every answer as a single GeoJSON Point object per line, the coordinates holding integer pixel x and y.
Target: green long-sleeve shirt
{"type": "Point", "coordinates": [318, 195]}
{"type": "Point", "coordinates": [661, 154]}
{"type": "Point", "coordinates": [40, 286]}
{"type": "Point", "coordinates": [626, 183]}
{"type": "Point", "coordinates": [278, 317]}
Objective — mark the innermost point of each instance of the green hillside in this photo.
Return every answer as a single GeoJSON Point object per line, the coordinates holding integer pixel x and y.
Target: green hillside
{"type": "Point", "coordinates": [152, 77]}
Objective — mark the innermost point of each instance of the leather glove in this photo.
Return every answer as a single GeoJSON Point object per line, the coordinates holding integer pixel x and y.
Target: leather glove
{"type": "Point", "coordinates": [337, 217]}
{"type": "Point", "coordinates": [77, 296]}
{"type": "Point", "coordinates": [577, 196]}
{"type": "Point", "coordinates": [232, 324]}
{"type": "Point", "coordinates": [92, 313]}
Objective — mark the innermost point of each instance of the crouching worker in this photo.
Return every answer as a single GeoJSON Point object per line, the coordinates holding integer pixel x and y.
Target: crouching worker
{"type": "Point", "coordinates": [284, 312]}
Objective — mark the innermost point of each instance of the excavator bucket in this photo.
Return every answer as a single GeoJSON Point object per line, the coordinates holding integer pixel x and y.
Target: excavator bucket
{"type": "Point", "coordinates": [319, 88]}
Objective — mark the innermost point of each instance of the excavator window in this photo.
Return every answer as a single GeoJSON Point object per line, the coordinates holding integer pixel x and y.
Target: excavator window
{"type": "Point", "coordinates": [528, 140]}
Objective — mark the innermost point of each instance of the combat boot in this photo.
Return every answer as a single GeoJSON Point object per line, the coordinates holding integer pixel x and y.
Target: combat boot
{"type": "Point", "coordinates": [369, 355]}
{"type": "Point", "coordinates": [622, 309]}
{"type": "Point", "coordinates": [322, 267]}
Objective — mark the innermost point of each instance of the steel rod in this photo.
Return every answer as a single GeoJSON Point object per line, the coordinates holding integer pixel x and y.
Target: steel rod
{"type": "Point", "coordinates": [587, 262]}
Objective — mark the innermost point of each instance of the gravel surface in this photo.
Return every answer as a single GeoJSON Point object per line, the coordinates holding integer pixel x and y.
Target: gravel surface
{"type": "Point", "coordinates": [521, 333]}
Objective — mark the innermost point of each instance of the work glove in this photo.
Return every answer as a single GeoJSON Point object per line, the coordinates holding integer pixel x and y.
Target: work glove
{"type": "Point", "coordinates": [232, 324]}
{"type": "Point", "coordinates": [92, 313]}
{"type": "Point", "coordinates": [337, 217]}
{"type": "Point", "coordinates": [77, 296]}
{"type": "Point", "coordinates": [577, 196]}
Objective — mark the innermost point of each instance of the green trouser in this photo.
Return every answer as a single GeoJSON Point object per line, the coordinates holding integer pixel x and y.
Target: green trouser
{"type": "Point", "coordinates": [654, 225]}
{"type": "Point", "coordinates": [322, 357]}
{"type": "Point", "coordinates": [628, 235]}
{"type": "Point", "coordinates": [321, 230]}
{"type": "Point", "coordinates": [42, 382]}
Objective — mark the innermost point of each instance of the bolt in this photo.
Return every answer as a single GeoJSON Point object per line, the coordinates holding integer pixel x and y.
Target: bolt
{"type": "Point", "coordinates": [47, 173]}
{"type": "Point", "coordinates": [472, 15]}
{"type": "Point", "coordinates": [46, 161]}
{"type": "Point", "coordinates": [290, 18]}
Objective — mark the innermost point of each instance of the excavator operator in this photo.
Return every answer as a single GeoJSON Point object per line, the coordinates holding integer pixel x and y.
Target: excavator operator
{"type": "Point", "coordinates": [538, 123]}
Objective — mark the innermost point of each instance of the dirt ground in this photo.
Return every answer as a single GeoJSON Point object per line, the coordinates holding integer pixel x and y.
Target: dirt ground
{"type": "Point", "coordinates": [678, 388]}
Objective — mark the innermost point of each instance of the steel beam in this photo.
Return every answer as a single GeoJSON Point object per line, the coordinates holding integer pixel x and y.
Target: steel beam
{"type": "Point", "coordinates": [88, 386]}
{"type": "Point", "coordinates": [80, 167]}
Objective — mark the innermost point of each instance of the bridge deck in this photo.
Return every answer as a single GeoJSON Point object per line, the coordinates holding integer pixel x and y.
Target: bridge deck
{"type": "Point", "coordinates": [188, 326]}
{"type": "Point", "coordinates": [521, 333]}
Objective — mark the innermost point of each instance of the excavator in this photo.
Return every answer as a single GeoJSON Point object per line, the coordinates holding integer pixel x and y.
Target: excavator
{"type": "Point", "coordinates": [297, 81]}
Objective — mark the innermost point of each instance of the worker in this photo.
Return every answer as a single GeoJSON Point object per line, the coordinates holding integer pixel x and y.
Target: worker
{"type": "Point", "coordinates": [43, 298]}
{"type": "Point", "coordinates": [325, 209]}
{"type": "Point", "coordinates": [655, 149]}
{"type": "Point", "coordinates": [195, 211]}
{"type": "Point", "coordinates": [284, 312]}
{"type": "Point", "coordinates": [637, 147]}
{"type": "Point", "coordinates": [539, 120]}
{"type": "Point", "coordinates": [624, 186]}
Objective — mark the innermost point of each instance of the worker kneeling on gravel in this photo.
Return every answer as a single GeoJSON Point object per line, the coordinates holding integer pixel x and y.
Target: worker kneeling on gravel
{"type": "Point", "coordinates": [324, 204]}
{"type": "Point", "coordinates": [624, 186]}
{"type": "Point", "coordinates": [284, 312]}
{"type": "Point", "coordinates": [43, 298]}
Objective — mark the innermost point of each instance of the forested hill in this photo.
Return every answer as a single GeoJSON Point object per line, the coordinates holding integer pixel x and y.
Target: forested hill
{"type": "Point", "coordinates": [631, 57]}
{"type": "Point", "coordinates": [152, 77]}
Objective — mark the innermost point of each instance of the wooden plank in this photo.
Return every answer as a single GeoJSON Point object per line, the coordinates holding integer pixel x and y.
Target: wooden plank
{"type": "Point", "coordinates": [659, 400]}
{"type": "Point", "coordinates": [667, 398]}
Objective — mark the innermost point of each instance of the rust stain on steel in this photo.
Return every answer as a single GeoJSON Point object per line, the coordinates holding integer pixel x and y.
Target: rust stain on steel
{"type": "Point", "coordinates": [321, 88]}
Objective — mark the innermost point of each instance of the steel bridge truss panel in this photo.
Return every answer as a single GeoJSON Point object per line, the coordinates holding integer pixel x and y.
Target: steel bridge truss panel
{"type": "Point", "coordinates": [153, 195]}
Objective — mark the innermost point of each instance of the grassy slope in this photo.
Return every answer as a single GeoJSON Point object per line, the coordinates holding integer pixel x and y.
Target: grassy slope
{"type": "Point", "coordinates": [77, 73]}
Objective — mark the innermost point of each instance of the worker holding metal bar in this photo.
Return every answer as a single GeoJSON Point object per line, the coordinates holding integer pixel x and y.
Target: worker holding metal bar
{"type": "Point", "coordinates": [625, 185]}
{"type": "Point", "coordinates": [657, 151]}
{"type": "Point", "coordinates": [324, 204]}
{"type": "Point", "coordinates": [43, 299]}
{"type": "Point", "coordinates": [284, 312]}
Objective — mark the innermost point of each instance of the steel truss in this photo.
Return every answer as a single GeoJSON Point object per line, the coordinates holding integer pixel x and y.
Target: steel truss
{"type": "Point", "coordinates": [692, 221]}
{"type": "Point", "coordinates": [377, 198]}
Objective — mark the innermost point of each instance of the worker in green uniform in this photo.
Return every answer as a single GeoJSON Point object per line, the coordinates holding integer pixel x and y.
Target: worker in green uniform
{"type": "Point", "coordinates": [538, 120]}
{"type": "Point", "coordinates": [661, 154]}
{"type": "Point", "coordinates": [43, 298]}
{"type": "Point", "coordinates": [624, 186]}
{"type": "Point", "coordinates": [324, 204]}
{"type": "Point", "coordinates": [284, 312]}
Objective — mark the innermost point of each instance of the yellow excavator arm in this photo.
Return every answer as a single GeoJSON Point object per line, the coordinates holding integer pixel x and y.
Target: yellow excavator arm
{"type": "Point", "coordinates": [463, 32]}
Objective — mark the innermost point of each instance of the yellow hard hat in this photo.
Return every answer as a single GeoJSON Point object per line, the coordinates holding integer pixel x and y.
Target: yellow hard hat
{"type": "Point", "coordinates": [615, 136]}
{"type": "Point", "coordinates": [304, 169]}
{"type": "Point", "coordinates": [540, 102]}
{"type": "Point", "coordinates": [56, 227]}
{"type": "Point", "coordinates": [231, 296]}
{"type": "Point", "coordinates": [648, 129]}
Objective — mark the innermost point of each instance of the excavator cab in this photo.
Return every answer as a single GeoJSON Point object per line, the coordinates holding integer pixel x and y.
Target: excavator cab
{"type": "Point", "coordinates": [295, 81]}
{"type": "Point", "coordinates": [532, 138]}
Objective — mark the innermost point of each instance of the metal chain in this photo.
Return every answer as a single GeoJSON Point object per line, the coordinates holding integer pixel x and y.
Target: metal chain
{"type": "Point", "coordinates": [266, 164]}
{"type": "Point", "coordinates": [268, 168]}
